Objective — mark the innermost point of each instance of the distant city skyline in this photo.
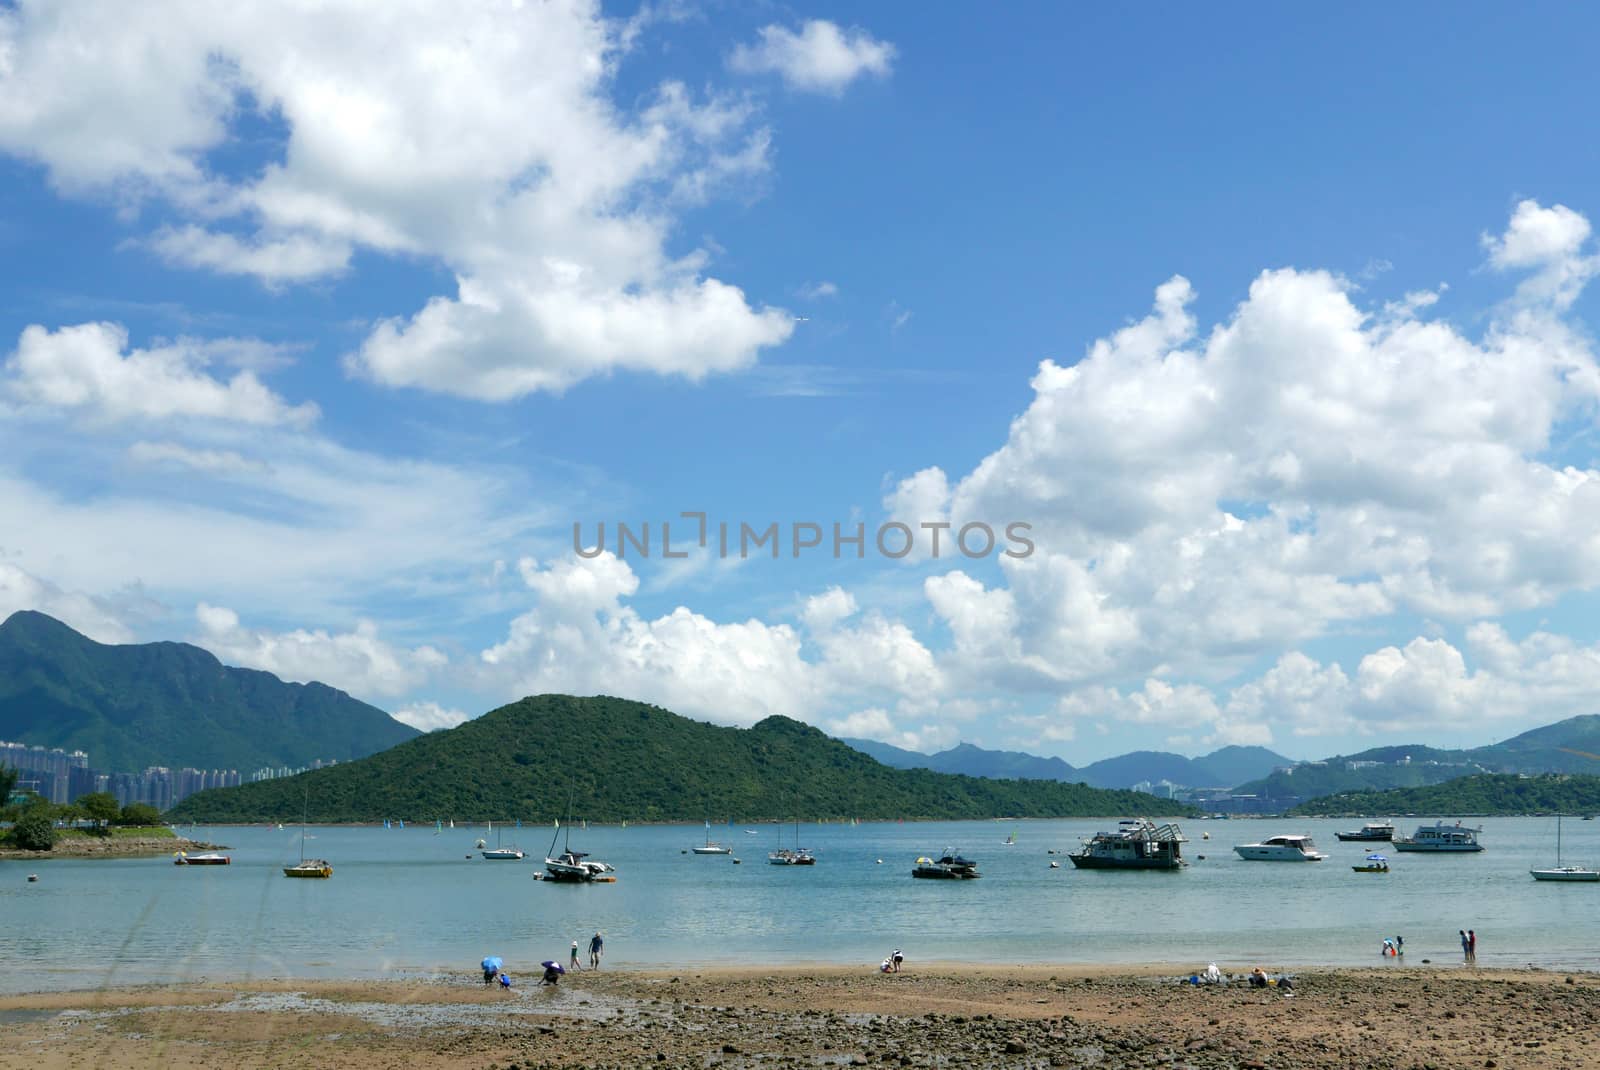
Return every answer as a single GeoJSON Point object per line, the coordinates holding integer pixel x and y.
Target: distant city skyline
{"type": "Point", "coordinates": [63, 776]}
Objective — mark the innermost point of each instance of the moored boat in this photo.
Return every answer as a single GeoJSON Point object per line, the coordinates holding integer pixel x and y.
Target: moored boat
{"type": "Point", "coordinates": [315, 868]}
{"type": "Point", "coordinates": [309, 867]}
{"type": "Point", "coordinates": [1138, 843]}
{"type": "Point", "coordinates": [574, 867]}
{"type": "Point", "coordinates": [209, 858]}
{"type": "Point", "coordinates": [799, 856]}
{"type": "Point", "coordinates": [1280, 849]}
{"type": "Point", "coordinates": [710, 847]}
{"type": "Point", "coordinates": [501, 853]}
{"type": "Point", "coordinates": [1372, 831]}
{"type": "Point", "coordinates": [1558, 872]}
{"type": "Point", "coordinates": [783, 856]}
{"type": "Point", "coordinates": [1374, 864]}
{"type": "Point", "coordinates": [950, 866]}
{"type": "Point", "coordinates": [1440, 838]}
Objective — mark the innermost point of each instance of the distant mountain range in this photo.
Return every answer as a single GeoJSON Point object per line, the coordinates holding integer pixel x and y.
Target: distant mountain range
{"type": "Point", "coordinates": [1570, 746]}
{"type": "Point", "coordinates": [171, 704]}
{"type": "Point", "coordinates": [622, 760]}
{"type": "Point", "coordinates": [1219, 769]}
{"type": "Point", "coordinates": [1470, 796]}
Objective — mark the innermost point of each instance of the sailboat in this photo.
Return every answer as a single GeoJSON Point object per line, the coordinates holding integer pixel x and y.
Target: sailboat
{"type": "Point", "coordinates": [1011, 839]}
{"type": "Point", "coordinates": [308, 867]}
{"type": "Point", "coordinates": [797, 857]}
{"type": "Point", "coordinates": [1564, 873]}
{"type": "Point", "coordinates": [498, 853]}
{"type": "Point", "coordinates": [571, 866]}
{"type": "Point", "coordinates": [711, 848]}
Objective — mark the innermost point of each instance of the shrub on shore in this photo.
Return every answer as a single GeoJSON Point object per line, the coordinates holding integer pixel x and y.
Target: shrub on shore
{"type": "Point", "coordinates": [34, 832]}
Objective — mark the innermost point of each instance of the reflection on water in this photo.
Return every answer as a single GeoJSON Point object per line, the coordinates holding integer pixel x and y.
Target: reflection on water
{"type": "Point", "coordinates": [410, 900]}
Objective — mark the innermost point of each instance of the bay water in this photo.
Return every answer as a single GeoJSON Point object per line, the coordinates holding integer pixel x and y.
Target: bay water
{"type": "Point", "coordinates": [415, 902]}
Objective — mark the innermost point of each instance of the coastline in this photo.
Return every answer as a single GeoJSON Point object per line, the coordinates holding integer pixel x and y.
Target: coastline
{"type": "Point", "coordinates": [752, 1015]}
{"type": "Point", "coordinates": [109, 847]}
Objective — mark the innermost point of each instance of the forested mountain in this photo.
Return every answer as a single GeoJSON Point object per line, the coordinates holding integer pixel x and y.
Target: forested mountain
{"type": "Point", "coordinates": [622, 760]}
{"type": "Point", "coordinates": [171, 704]}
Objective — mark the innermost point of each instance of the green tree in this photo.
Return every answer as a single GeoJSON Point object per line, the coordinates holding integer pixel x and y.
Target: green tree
{"type": "Point", "coordinates": [34, 831]}
{"type": "Point", "coordinates": [139, 814]}
{"type": "Point", "coordinates": [101, 806]}
{"type": "Point", "coordinates": [8, 783]}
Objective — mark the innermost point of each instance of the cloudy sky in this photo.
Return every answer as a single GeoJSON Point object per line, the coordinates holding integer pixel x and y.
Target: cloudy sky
{"type": "Point", "coordinates": [322, 326]}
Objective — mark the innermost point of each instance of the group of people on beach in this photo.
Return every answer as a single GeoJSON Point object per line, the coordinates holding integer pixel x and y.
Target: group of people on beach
{"type": "Point", "coordinates": [552, 969]}
{"type": "Point", "coordinates": [1469, 946]}
{"type": "Point", "coordinates": [892, 963]}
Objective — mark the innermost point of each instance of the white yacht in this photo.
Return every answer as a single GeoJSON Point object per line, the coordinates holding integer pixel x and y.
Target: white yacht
{"type": "Point", "coordinates": [1281, 849]}
{"type": "Point", "coordinates": [1440, 837]}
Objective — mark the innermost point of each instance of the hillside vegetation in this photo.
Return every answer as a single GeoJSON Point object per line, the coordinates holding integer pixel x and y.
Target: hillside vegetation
{"type": "Point", "coordinates": [624, 760]}
{"type": "Point", "coordinates": [1486, 794]}
{"type": "Point", "coordinates": [171, 704]}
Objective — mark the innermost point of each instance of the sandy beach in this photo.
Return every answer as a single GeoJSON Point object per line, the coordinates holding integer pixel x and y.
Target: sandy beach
{"type": "Point", "coordinates": [944, 1015]}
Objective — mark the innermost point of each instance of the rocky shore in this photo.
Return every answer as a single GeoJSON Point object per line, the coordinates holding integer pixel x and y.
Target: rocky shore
{"type": "Point", "coordinates": [1029, 1017]}
{"type": "Point", "coordinates": [111, 847]}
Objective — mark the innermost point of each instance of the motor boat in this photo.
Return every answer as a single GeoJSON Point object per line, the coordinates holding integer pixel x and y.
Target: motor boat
{"type": "Point", "coordinates": [1281, 849]}
{"type": "Point", "coordinates": [1439, 837]}
{"type": "Point", "coordinates": [950, 866]}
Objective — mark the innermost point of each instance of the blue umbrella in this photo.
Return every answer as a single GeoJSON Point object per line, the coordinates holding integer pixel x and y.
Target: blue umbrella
{"type": "Point", "coordinates": [493, 962]}
{"type": "Point", "coordinates": [552, 964]}
{"type": "Point", "coordinates": [1377, 858]}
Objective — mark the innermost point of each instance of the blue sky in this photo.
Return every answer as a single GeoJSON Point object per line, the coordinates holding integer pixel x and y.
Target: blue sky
{"type": "Point", "coordinates": [321, 333]}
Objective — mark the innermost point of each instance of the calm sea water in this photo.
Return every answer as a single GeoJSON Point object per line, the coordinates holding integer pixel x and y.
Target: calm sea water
{"type": "Point", "coordinates": [407, 901]}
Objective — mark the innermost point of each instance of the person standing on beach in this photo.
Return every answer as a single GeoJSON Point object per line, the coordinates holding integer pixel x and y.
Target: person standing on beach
{"type": "Point", "coordinates": [1472, 947]}
{"type": "Point", "coordinates": [897, 959]}
{"type": "Point", "coordinates": [574, 962]}
{"type": "Point", "coordinates": [1466, 946]}
{"type": "Point", "coordinates": [596, 946]}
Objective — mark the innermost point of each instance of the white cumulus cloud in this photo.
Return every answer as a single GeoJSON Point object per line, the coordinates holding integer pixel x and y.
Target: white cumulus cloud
{"type": "Point", "coordinates": [482, 139]}
{"type": "Point", "coordinates": [359, 661]}
{"type": "Point", "coordinates": [90, 369]}
{"type": "Point", "coordinates": [820, 58]}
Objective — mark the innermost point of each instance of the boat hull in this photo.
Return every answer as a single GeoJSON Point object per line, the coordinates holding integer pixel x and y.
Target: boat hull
{"type": "Point", "coordinates": [1370, 869]}
{"type": "Point", "coordinates": [1437, 848]}
{"type": "Point", "coordinates": [1100, 862]}
{"type": "Point", "coordinates": [309, 871]}
{"type": "Point", "coordinates": [1566, 873]}
{"type": "Point", "coordinates": [713, 849]}
{"type": "Point", "coordinates": [1255, 853]}
{"type": "Point", "coordinates": [940, 873]}
{"type": "Point", "coordinates": [1364, 837]}
{"type": "Point", "coordinates": [506, 854]}
{"type": "Point", "coordinates": [202, 860]}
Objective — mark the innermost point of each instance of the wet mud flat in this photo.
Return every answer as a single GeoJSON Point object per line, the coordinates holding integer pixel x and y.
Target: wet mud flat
{"type": "Point", "coordinates": [750, 1018]}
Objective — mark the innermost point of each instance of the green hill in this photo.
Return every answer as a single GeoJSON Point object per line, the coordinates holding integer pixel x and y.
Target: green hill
{"type": "Point", "coordinates": [630, 761]}
{"type": "Point", "coordinates": [171, 704]}
{"type": "Point", "coordinates": [1570, 746]}
{"type": "Point", "coordinates": [1484, 794]}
